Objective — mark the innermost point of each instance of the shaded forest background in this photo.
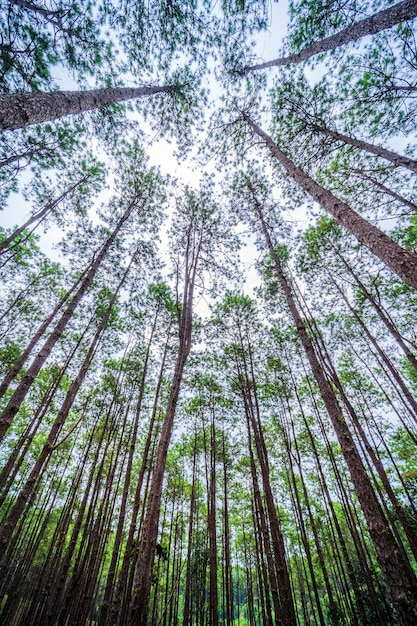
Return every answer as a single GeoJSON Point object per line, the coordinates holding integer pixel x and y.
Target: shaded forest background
{"type": "Point", "coordinates": [208, 389]}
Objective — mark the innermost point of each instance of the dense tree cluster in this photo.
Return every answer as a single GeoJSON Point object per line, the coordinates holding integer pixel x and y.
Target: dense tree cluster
{"type": "Point", "coordinates": [177, 447]}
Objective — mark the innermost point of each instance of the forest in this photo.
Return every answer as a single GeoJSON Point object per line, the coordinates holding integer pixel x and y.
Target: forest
{"type": "Point", "coordinates": [208, 338]}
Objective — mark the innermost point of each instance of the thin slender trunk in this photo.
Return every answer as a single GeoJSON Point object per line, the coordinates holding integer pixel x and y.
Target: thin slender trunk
{"type": "Point", "coordinates": [325, 490]}
{"type": "Point", "coordinates": [47, 449]}
{"type": "Point", "coordinates": [39, 216]}
{"type": "Point", "coordinates": [142, 585]}
{"type": "Point", "coordinates": [187, 611]}
{"type": "Point", "coordinates": [285, 610]}
{"type": "Point", "coordinates": [228, 572]}
{"type": "Point", "coordinates": [15, 369]}
{"type": "Point", "coordinates": [398, 160]}
{"type": "Point", "coordinates": [394, 372]}
{"type": "Point", "coordinates": [387, 190]}
{"type": "Point", "coordinates": [212, 527]}
{"type": "Point", "coordinates": [18, 455]}
{"type": "Point", "coordinates": [319, 550]}
{"type": "Point", "coordinates": [122, 592]}
{"type": "Point", "coordinates": [109, 589]}
{"type": "Point", "coordinates": [382, 314]}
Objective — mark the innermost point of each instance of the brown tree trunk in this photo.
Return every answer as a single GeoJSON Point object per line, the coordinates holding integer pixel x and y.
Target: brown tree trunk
{"type": "Point", "coordinates": [268, 575]}
{"type": "Point", "coordinates": [39, 216]}
{"type": "Point", "coordinates": [142, 586]}
{"type": "Point", "coordinates": [401, 261]}
{"type": "Point", "coordinates": [121, 596]}
{"type": "Point", "coordinates": [18, 110]}
{"type": "Point", "coordinates": [15, 369]}
{"type": "Point", "coordinates": [401, 586]}
{"type": "Point", "coordinates": [18, 455]}
{"type": "Point", "coordinates": [143, 579]}
{"type": "Point", "coordinates": [228, 572]}
{"type": "Point", "coordinates": [187, 612]}
{"type": "Point", "coordinates": [213, 598]}
{"type": "Point", "coordinates": [376, 23]}
{"type": "Point", "coordinates": [111, 576]}
{"type": "Point", "coordinates": [280, 581]}
{"type": "Point", "coordinates": [319, 550]}
{"type": "Point", "coordinates": [382, 314]}
{"type": "Point", "coordinates": [299, 517]}
{"type": "Point", "coordinates": [394, 372]}
{"type": "Point", "coordinates": [398, 160]}
{"type": "Point", "coordinates": [28, 489]}
{"type": "Point", "coordinates": [325, 490]}
{"type": "Point", "coordinates": [25, 384]}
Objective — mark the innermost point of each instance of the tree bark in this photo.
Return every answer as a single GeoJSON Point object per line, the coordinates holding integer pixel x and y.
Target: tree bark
{"type": "Point", "coordinates": [22, 389]}
{"type": "Point", "coordinates": [142, 584]}
{"type": "Point", "coordinates": [401, 586]}
{"type": "Point", "coordinates": [399, 260]}
{"type": "Point", "coordinates": [398, 160]}
{"type": "Point", "coordinates": [18, 110]}
{"type": "Point", "coordinates": [376, 23]}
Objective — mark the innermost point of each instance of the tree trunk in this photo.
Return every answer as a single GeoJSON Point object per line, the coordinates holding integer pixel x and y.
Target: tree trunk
{"type": "Point", "coordinates": [187, 611]}
{"type": "Point", "coordinates": [48, 447]}
{"type": "Point", "coordinates": [398, 160]}
{"type": "Point", "coordinates": [401, 261]}
{"type": "Point", "coordinates": [34, 369]}
{"type": "Point", "coordinates": [15, 369]}
{"type": "Point", "coordinates": [376, 23]}
{"type": "Point", "coordinates": [18, 110]}
{"type": "Point", "coordinates": [111, 576]}
{"type": "Point", "coordinates": [142, 584]}
{"type": "Point", "coordinates": [213, 596]}
{"type": "Point", "coordinates": [39, 216]}
{"type": "Point", "coordinates": [402, 588]}
{"type": "Point", "coordinates": [122, 592]}
{"type": "Point", "coordinates": [382, 313]}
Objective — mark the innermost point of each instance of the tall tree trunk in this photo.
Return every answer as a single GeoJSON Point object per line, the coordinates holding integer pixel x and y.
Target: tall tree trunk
{"type": "Point", "coordinates": [376, 23]}
{"type": "Point", "coordinates": [319, 550]}
{"type": "Point", "coordinates": [121, 595]}
{"type": "Point", "coordinates": [401, 586]}
{"type": "Point", "coordinates": [15, 369]}
{"type": "Point", "coordinates": [18, 110]}
{"type": "Point", "coordinates": [25, 384]}
{"type": "Point", "coordinates": [270, 583]}
{"type": "Point", "coordinates": [39, 216]}
{"type": "Point", "coordinates": [18, 455]}
{"type": "Point", "coordinates": [401, 261]}
{"type": "Point", "coordinates": [382, 314]}
{"type": "Point", "coordinates": [392, 369]}
{"type": "Point", "coordinates": [187, 611]}
{"type": "Point", "coordinates": [143, 579]}
{"type": "Point", "coordinates": [28, 489]}
{"type": "Point", "coordinates": [213, 599]}
{"type": "Point", "coordinates": [228, 572]}
{"type": "Point", "coordinates": [398, 160]}
{"type": "Point", "coordinates": [111, 576]}
{"type": "Point", "coordinates": [250, 397]}
{"type": "Point", "coordinates": [299, 517]}
{"type": "Point", "coordinates": [325, 490]}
